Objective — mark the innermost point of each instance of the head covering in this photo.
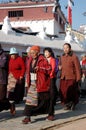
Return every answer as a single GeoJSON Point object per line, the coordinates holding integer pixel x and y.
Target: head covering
{"type": "Point", "coordinates": [13, 51]}
{"type": "Point", "coordinates": [35, 48]}
{"type": "Point", "coordinates": [28, 49]}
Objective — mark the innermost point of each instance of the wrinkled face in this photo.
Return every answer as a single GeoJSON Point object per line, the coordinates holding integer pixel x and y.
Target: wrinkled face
{"type": "Point", "coordinates": [47, 54]}
{"type": "Point", "coordinates": [66, 49]}
{"type": "Point", "coordinates": [13, 56]}
{"type": "Point", "coordinates": [34, 54]}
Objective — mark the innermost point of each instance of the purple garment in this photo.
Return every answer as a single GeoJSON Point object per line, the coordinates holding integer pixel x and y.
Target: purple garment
{"type": "Point", "coordinates": [3, 68]}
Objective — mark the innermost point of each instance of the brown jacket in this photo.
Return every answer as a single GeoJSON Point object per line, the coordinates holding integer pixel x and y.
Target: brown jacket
{"type": "Point", "coordinates": [70, 67]}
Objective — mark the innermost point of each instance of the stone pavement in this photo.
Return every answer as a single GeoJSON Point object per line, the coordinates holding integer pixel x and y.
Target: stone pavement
{"type": "Point", "coordinates": [7, 122]}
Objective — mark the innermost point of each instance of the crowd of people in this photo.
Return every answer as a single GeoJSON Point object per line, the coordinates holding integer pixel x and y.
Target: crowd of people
{"type": "Point", "coordinates": [36, 78]}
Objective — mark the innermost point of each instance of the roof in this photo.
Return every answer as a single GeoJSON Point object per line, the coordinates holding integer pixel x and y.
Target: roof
{"type": "Point", "coordinates": [25, 4]}
{"type": "Point", "coordinates": [29, 40]}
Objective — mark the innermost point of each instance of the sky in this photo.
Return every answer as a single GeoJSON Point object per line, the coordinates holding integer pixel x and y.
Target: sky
{"type": "Point", "coordinates": [77, 12]}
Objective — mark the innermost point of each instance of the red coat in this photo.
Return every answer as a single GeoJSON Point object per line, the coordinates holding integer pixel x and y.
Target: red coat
{"type": "Point", "coordinates": [17, 67]}
{"type": "Point", "coordinates": [84, 62]}
{"type": "Point", "coordinates": [53, 66]}
{"type": "Point", "coordinates": [44, 69]}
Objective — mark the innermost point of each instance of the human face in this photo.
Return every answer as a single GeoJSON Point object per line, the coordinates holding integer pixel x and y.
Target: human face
{"type": "Point", "coordinates": [66, 49]}
{"type": "Point", "coordinates": [47, 54]}
{"type": "Point", "coordinates": [33, 54]}
{"type": "Point", "coordinates": [13, 56]}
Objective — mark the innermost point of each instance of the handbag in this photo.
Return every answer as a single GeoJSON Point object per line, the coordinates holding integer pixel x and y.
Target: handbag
{"type": "Point", "coordinates": [32, 95]}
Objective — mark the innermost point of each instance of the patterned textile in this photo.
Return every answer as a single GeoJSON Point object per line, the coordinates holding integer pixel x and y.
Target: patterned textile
{"type": "Point", "coordinates": [11, 83]}
{"type": "Point", "coordinates": [32, 96]}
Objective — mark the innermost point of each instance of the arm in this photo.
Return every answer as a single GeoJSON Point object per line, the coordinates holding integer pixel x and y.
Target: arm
{"type": "Point", "coordinates": [77, 68]}
{"type": "Point", "coordinates": [3, 61]}
{"type": "Point", "coordinates": [43, 66]}
{"type": "Point", "coordinates": [22, 64]}
{"type": "Point", "coordinates": [53, 66]}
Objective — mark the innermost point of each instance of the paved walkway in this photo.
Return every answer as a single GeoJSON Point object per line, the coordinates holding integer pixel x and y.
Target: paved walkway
{"type": "Point", "coordinates": [7, 122]}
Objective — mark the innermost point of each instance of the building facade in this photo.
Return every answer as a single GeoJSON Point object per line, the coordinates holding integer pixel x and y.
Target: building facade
{"type": "Point", "coordinates": [35, 16]}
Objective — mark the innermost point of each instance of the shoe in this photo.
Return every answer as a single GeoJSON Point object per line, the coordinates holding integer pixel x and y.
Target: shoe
{"type": "Point", "coordinates": [67, 108]}
{"type": "Point", "coordinates": [26, 120]}
{"type": "Point", "coordinates": [50, 118]}
{"type": "Point", "coordinates": [12, 109]}
{"type": "Point", "coordinates": [73, 106]}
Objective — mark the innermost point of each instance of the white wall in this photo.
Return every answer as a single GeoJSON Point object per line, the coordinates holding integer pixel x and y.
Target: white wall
{"type": "Point", "coordinates": [52, 27]}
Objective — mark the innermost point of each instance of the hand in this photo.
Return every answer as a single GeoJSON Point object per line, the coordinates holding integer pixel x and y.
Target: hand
{"type": "Point", "coordinates": [59, 67]}
{"type": "Point", "coordinates": [21, 77]}
{"type": "Point", "coordinates": [36, 68]}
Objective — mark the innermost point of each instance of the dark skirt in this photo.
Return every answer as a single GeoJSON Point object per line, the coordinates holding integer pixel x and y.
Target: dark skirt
{"type": "Point", "coordinates": [42, 108]}
{"type": "Point", "coordinates": [4, 102]}
{"type": "Point", "coordinates": [69, 91]}
{"type": "Point", "coordinates": [18, 93]}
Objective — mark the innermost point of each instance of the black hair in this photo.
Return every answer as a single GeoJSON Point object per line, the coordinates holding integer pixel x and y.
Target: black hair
{"type": "Point", "coordinates": [68, 45]}
{"type": "Point", "coordinates": [49, 50]}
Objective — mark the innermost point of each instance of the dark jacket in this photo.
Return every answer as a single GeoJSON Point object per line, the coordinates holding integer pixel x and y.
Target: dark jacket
{"type": "Point", "coordinates": [3, 67]}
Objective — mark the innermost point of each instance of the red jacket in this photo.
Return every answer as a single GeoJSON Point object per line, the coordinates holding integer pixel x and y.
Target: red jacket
{"type": "Point", "coordinates": [43, 78]}
{"type": "Point", "coordinates": [17, 67]}
{"type": "Point", "coordinates": [53, 67]}
{"type": "Point", "coordinates": [84, 62]}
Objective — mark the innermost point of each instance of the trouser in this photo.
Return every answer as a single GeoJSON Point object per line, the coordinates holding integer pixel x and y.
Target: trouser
{"type": "Point", "coordinates": [4, 102]}
{"type": "Point", "coordinates": [53, 96]}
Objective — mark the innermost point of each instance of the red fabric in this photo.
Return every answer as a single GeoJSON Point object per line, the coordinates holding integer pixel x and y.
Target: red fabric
{"type": "Point", "coordinates": [17, 67]}
{"type": "Point", "coordinates": [43, 79]}
{"type": "Point", "coordinates": [27, 74]}
{"type": "Point", "coordinates": [69, 12]}
{"type": "Point", "coordinates": [69, 91]}
{"type": "Point", "coordinates": [53, 66]}
{"type": "Point", "coordinates": [37, 48]}
{"type": "Point", "coordinates": [83, 62]}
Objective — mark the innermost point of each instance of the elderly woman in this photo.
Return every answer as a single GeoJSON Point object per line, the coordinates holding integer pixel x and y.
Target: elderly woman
{"type": "Point", "coordinates": [15, 85]}
{"type": "Point", "coordinates": [37, 77]}
{"type": "Point", "coordinates": [70, 76]}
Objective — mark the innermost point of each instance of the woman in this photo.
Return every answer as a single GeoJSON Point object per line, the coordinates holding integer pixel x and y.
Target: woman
{"type": "Point", "coordinates": [70, 76]}
{"type": "Point", "coordinates": [4, 102]}
{"type": "Point", "coordinates": [15, 85]}
{"type": "Point", "coordinates": [48, 53]}
{"type": "Point", "coordinates": [26, 65]}
{"type": "Point", "coordinates": [37, 66]}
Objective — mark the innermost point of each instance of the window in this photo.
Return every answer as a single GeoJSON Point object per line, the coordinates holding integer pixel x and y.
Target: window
{"type": "Point", "coordinates": [18, 13]}
{"type": "Point", "coordinates": [45, 9]}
